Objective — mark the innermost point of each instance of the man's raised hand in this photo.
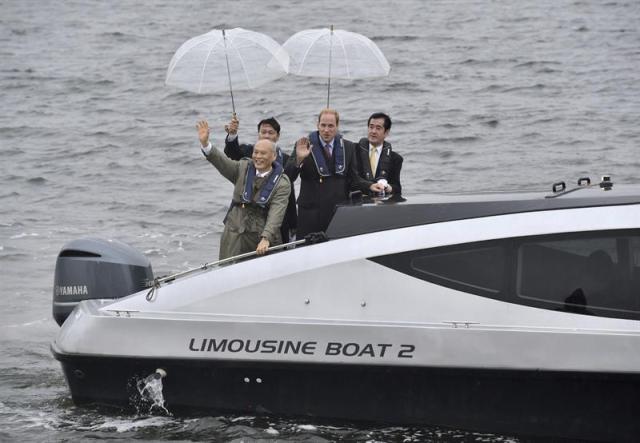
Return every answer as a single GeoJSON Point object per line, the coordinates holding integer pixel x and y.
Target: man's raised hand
{"type": "Point", "coordinates": [303, 149]}
{"type": "Point", "coordinates": [203, 132]}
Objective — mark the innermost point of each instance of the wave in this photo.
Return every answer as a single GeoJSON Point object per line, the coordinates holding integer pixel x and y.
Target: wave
{"type": "Point", "coordinates": [396, 38]}
{"type": "Point", "coordinates": [546, 120]}
{"type": "Point", "coordinates": [492, 88]}
{"type": "Point", "coordinates": [535, 87]}
{"type": "Point", "coordinates": [463, 139]}
{"type": "Point", "coordinates": [540, 66]}
{"type": "Point", "coordinates": [403, 86]}
{"type": "Point", "coordinates": [485, 62]}
{"type": "Point", "coordinates": [536, 63]}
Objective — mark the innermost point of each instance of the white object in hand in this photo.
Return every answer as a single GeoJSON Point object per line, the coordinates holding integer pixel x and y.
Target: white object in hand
{"type": "Point", "coordinates": [384, 184]}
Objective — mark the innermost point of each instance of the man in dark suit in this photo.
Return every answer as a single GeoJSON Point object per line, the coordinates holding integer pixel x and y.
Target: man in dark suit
{"type": "Point", "coordinates": [268, 129]}
{"type": "Point", "coordinates": [326, 165]}
{"type": "Point", "coordinates": [376, 161]}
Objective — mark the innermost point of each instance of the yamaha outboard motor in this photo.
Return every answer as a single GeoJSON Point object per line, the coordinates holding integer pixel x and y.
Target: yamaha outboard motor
{"type": "Point", "coordinates": [96, 268]}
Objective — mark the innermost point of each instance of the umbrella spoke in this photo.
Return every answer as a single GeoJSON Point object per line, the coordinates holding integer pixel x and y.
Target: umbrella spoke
{"type": "Point", "coordinates": [344, 52]}
{"type": "Point", "coordinates": [244, 70]}
{"type": "Point", "coordinates": [303, 60]}
{"type": "Point", "coordinates": [205, 64]}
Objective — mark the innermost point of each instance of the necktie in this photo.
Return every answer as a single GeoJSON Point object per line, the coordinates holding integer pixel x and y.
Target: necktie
{"type": "Point", "coordinates": [327, 150]}
{"type": "Point", "coordinates": [372, 160]}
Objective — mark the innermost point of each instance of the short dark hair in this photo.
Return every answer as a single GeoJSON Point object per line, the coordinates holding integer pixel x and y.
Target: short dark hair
{"type": "Point", "coordinates": [387, 119]}
{"type": "Point", "coordinates": [271, 122]}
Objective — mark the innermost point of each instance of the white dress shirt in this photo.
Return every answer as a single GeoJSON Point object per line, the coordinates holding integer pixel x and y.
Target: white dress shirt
{"type": "Point", "coordinates": [206, 150]}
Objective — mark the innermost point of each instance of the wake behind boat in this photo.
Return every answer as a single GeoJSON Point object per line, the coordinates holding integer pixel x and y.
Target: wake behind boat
{"type": "Point", "coordinates": [512, 313]}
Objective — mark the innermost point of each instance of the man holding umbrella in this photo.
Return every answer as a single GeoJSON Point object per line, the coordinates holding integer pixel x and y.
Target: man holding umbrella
{"type": "Point", "coordinates": [268, 129]}
{"type": "Point", "coordinates": [260, 197]}
{"type": "Point", "coordinates": [326, 165]}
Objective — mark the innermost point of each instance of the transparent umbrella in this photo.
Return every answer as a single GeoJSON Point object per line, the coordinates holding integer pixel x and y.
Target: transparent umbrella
{"type": "Point", "coordinates": [330, 53]}
{"type": "Point", "coordinates": [226, 59]}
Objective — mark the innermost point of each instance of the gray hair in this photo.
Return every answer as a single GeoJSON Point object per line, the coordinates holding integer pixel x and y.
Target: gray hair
{"type": "Point", "coordinates": [271, 144]}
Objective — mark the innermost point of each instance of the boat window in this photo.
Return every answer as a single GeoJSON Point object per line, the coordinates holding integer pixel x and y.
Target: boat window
{"type": "Point", "coordinates": [592, 273]}
{"type": "Point", "coordinates": [595, 274]}
{"type": "Point", "coordinates": [478, 268]}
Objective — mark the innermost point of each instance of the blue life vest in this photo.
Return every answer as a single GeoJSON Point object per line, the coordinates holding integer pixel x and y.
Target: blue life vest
{"type": "Point", "coordinates": [279, 155]}
{"type": "Point", "coordinates": [319, 158]}
{"type": "Point", "coordinates": [266, 189]}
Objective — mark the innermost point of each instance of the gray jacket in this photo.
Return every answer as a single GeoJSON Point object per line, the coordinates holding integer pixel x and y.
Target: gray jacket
{"type": "Point", "coordinates": [246, 224]}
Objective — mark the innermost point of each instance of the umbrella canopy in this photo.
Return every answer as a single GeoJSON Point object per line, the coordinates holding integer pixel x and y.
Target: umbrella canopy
{"type": "Point", "coordinates": [226, 59]}
{"type": "Point", "coordinates": [330, 53]}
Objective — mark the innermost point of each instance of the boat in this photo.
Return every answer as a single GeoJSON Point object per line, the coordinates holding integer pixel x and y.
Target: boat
{"type": "Point", "coordinates": [514, 313]}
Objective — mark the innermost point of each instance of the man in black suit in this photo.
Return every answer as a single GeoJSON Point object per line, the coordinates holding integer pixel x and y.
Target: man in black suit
{"type": "Point", "coordinates": [376, 161]}
{"type": "Point", "coordinates": [326, 165]}
{"type": "Point", "coordinates": [268, 129]}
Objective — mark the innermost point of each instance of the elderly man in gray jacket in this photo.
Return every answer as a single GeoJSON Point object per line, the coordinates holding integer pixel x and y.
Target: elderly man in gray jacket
{"type": "Point", "coordinates": [260, 196]}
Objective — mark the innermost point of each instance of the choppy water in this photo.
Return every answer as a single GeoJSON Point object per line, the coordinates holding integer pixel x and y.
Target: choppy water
{"type": "Point", "coordinates": [484, 95]}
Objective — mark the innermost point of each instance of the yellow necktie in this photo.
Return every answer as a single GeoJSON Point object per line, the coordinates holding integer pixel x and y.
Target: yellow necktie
{"type": "Point", "coordinates": [372, 160]}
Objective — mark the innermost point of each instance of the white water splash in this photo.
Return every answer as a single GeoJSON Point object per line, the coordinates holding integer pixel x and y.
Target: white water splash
{"type": "Point", "coordinates": [150, 389]}
{"type": "Point", "coordinates": [128, 425]}
{"type": "Point", "coordinates": [307, 427]}
{"type": "Point", "coordinates": [24, 234]}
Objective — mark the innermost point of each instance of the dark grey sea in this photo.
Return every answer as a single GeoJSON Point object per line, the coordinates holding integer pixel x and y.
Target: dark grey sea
{"type": "Point", "coordinates": [484, 95]}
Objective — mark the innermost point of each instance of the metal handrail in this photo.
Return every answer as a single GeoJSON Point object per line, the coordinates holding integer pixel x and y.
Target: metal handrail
{"type": "Point", "coordinates": [312, 238]}
{"type": "Point", "coordinates": [559, 189]}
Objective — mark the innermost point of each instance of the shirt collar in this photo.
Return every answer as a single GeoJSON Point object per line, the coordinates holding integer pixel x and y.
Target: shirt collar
{"type": "Point", "coordinates": [330, 142]}
{"type": "Point", "coordinates": [263, 174]}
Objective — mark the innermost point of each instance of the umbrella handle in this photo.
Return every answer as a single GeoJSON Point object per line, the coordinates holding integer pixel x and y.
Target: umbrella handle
{"type": "Point", "coordinates": [226, 57]}
{"type": "Point", "coordinates": [329, 76]}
